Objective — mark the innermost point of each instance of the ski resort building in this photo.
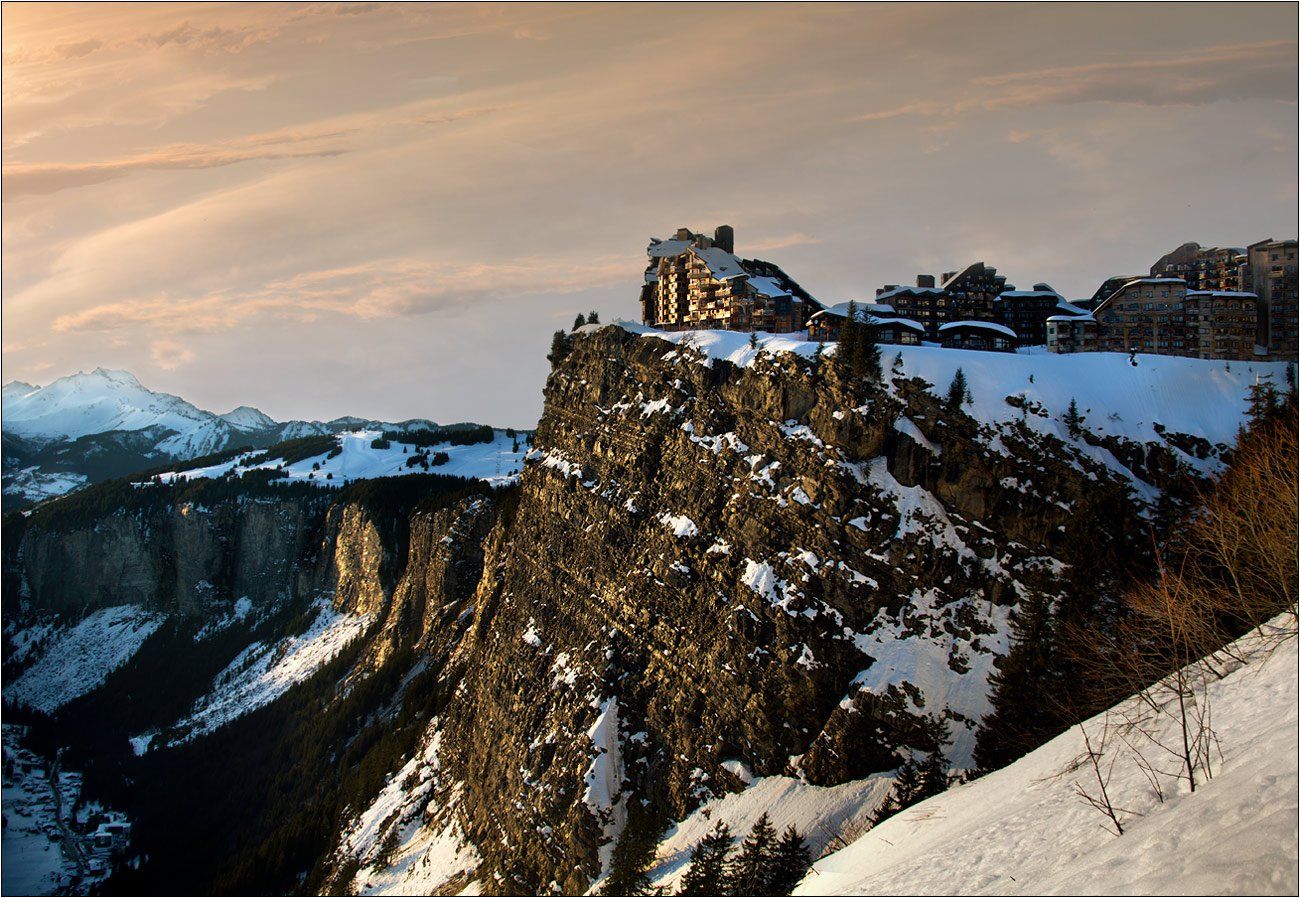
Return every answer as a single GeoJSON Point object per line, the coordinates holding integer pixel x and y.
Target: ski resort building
{"type": "Point", "coordinates": [1160, 315]}
{"type": "Point", "coordinates": [1027, 311]}
{"type": "Point", "coordinates": [1071, 333]}
{"type": "Point", "coordinates": [887, 326]}
{"type": "Point", "coordinates": [1203, 268]}
{"type": "Point", "coordinates": [1271, 275]}
{"type": "Point", "coordinates": [987, 335]}
{"type": "Point", "coordinates": [694, 281]}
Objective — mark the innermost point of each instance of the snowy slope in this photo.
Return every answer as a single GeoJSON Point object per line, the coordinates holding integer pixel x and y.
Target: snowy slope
{"type": "Point", "coordinates": [15, 389]}
{"type": "Point", "coordinates": [820, 813]}
{"type": "Point", "coordinates": [423, 858]}
{"type": "Point", "coordinates": [495, 462]}
{"type": "Point", "coordinates": [74, 660]}
{"type": "Point", "coordinates": [103, 408]}
{"type": "Point", "coordinates": [1023, 829]}
{"type": "Point", "coordinates": [1185, 395]}
{"type": "Point", "coordinates": [263, 672]}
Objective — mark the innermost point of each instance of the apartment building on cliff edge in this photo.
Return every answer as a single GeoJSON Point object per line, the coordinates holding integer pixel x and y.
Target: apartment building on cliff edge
{"type": "Point", "coordinates": [694, 281]}
{"type": "Point", "coordinates": [1216, 303]}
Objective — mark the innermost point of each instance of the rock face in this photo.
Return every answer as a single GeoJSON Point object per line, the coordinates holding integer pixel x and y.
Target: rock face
{"type": "Point", "coordinates": [184, 559]}
{"type": "Point", "coordinates": [714, 570]}
{"type": "Point", "coordinates": [705, 572]}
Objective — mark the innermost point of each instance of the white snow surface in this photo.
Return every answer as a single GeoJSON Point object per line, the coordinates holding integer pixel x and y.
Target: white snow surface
{"type": "Point", "coordinates": [425, 857]}
{"type": "Point", "coordinates": [1024, 830]}
{"type": "Point", "coordinates": [1185, 395]}
{"type": "Point", "coordinates": [496, 462]}
{"type": "Point", "coordinates": [79, 658]}
{"type": "Point", "coordinates": [247, 418]}
{"type": "Point", "coordinates": [262, 673]}
{"type": "Point", "coordinates": [604, 778]}
{"type": "Point", "coordinates": [820, 813]}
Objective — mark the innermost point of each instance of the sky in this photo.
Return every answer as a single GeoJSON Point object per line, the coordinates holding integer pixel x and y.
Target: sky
{"type": "Point", "coordinates": [386, 210]}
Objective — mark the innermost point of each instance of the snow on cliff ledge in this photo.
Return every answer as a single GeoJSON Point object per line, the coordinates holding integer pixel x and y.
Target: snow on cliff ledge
{"type": "Point", "coordinates": [1115, 397]}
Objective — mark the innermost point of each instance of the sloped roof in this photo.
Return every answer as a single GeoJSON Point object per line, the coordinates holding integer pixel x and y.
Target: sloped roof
{"type": "Point", "coordinates": [666, 249]}
{"type": "Point", "coordinates": [841, 309]}
{"type": "Point", "coordinates": [986, 325]}
{"type": "Point", "coordinates": [722, 265]}
{"type": "Point", "coordinates": [766, 286]}
{"type": "Point", "coordinates": [915, 291]}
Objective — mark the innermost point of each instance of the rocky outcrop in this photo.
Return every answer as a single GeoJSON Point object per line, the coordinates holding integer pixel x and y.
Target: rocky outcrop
{"type": "Point", "coordinates": [714, 570]}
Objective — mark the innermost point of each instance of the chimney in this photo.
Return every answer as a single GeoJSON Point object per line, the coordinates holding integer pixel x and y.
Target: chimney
{"type": "Point", "coordinates": [925, 280]}
{"type": "Point", "coordinates": [725, 237]}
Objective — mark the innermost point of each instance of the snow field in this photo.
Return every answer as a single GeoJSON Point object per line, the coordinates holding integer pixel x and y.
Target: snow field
{"type": "Point", "coordinates": [79, 658]}
{"type": "Point", "coordinates": [263, 672]}
{"type": "Point", "coordinates": [496, 462]}
{"type": "Point", "coordinates": [1024, 830]}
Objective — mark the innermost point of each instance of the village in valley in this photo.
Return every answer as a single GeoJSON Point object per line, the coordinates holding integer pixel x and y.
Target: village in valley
{"type": "Point", "coordinates": [55, 841]}
{"type": "Point", "coordinates": [1227, 303]}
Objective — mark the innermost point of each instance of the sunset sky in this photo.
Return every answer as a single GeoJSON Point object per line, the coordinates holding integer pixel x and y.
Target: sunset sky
{"type": "Point", "coordinates": [386, 210]}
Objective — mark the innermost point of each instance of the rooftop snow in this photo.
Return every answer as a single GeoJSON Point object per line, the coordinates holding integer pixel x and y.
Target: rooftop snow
{"type": "Point", "coordinates": [666, 249]}
{"type": "Point", "coordinates": [986, 325]}
{"type": "Point", "coordinates": [766, 286]}
{"type": "Point", "coordinates": [904, 290]}
{"type": "Point", "coordinates": [1027, 294]}
{"type": "Point", "coordinates": [841, 309]}
{"type": "Point", "coordinates": [721, 264]}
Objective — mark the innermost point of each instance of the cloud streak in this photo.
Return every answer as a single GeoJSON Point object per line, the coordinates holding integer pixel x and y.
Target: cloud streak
{"type": "Point", "coordinates": [1258, 71]}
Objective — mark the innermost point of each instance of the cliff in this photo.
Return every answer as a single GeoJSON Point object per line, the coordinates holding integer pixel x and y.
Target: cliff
{"type": "Point", "coordinates": [717, 571]}
{"type": "Point", "coordinates": [721, 562]}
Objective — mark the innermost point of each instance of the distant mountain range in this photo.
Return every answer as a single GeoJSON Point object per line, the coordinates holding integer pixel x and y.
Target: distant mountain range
{"type": "Point", "coordinates": [91, 426]}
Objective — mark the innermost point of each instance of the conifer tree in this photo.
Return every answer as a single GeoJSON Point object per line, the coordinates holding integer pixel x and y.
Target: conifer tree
{"type": "Point", "coordinates": [707, 874]}
{"type": "Point", "coordinates": [634, 854]}
{"type": "Point", "coordinates": [934, 776]}
{"type": "Point", "coordinates": [867, 352]}
{"type": "Point", "coordinates": [579, 321]}
{"type": "Point", "coordinates": [1264, 400]}
{"type": "Point", "coordinates": [753, 340]}
{"type": "Point", "coordinates": [559, 347]}
{"type": "Point", "coordinates": [1024, 688]}
{"type": "Point", "coordinates": [790, 861]}
{"type": "Point", "coordinates": [750, 872]}
{"type": "Point", "coordinates": [957, 392]}
{"type": "Point", "coordinates": [593, 318]}
{"type": "Point", "coordinates": [849, 339]}
{"type": "Point", "coordinates": [1073, 420]}
{"type": "Point", "coordinates": [903, 794]}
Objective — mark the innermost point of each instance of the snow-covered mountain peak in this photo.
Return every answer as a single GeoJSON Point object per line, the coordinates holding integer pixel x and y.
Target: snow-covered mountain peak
{"type": "Point", "coordinates": [245, 417]}
{"type": "Point", "coordinates": [102, 400]}
{"type": "Point", "coordinates": [17, 388]}
{"type": "Point", "coordinates": [113, 375]}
